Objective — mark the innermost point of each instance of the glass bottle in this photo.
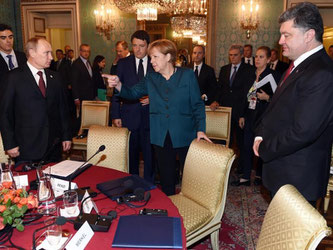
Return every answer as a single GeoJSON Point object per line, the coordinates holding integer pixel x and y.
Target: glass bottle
{"type": "Point", "coordinates": [45, 194]}
{"type": "Point", "coordinates": [7, 179]}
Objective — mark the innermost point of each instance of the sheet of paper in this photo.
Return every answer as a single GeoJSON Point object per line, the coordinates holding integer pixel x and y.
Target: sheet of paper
{"type": "Point", "coordinates": [64, 168]}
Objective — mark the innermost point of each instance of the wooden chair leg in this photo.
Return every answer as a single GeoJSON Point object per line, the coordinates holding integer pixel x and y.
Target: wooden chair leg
{"type": "Point", "coordinates": [327, 200]}
{"type": "Point", "coordinates": [214, 240]}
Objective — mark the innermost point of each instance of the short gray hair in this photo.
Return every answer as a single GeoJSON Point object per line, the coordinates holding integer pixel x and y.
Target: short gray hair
{"type": "Point", "coordinates": [238, 47]}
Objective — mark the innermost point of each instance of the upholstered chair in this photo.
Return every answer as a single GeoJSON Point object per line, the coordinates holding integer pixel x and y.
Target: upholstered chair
{"type": "Point", "coordinates": [291, 223]}
{"type": "Point", "coordinates": [3, 156]}
{"type": "Point", "coordinates": [92, 113]}
{"type": "Point", "coordinates": [204, 189]}
{"type": "Point", "coordinates": [116, 141]}
{"type": "Point", "coordinates": [218, 123]}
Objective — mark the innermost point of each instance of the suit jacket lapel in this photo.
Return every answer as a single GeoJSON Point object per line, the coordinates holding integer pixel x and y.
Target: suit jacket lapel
{"type": "Point", "coordinates": [31, 79]}
{"type": "Point", "coordinates": [49, 82]}
{"type": "Point", "coordinates": [3, 64]}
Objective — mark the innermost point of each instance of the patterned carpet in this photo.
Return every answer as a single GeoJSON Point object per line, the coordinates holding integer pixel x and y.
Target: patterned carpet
{"type": "Point", "coordinates": [244, 213]}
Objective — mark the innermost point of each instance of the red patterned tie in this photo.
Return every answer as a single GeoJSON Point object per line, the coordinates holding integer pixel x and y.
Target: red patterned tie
{"type": "Point", "coordinates": [291, 66]}
{"type": "Point", "coordinates": [41, 83]}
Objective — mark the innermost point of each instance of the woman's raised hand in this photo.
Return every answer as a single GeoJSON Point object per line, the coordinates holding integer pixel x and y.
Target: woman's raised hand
{"type": "Point", "coordinates": [112, 80]}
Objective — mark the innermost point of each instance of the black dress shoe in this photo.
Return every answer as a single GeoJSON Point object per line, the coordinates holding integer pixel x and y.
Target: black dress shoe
{"type": "Point", "coordinates": [238, 183]}
{"type": "Point", "coordinates": [257, 181]}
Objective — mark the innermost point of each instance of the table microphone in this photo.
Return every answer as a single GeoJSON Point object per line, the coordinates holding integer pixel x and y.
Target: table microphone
{"type": "Point", "coordinates": [100, 149]}
{"type": "Point", "coordinates": [60, 220]}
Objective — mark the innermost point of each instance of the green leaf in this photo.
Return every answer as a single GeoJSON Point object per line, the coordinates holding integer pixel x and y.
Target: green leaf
{"type": "Point", "coordinates": [9, 220]}
{"type": "Point", "coordinates": [24, 209]}
{"type": "Point", "coordinates": [16, 215]}
{"type": "Point", "coordinates": [4, 220]}
{"type": "Point", "coordinates": [6, 213]}
{"type": "Point", "coordinates": [9, 203]}
{"type": "Point", "coordinates": [20, 227]}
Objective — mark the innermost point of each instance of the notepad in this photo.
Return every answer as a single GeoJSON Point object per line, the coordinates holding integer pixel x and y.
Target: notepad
{"type": "Point", "coordinates": [148, 232]}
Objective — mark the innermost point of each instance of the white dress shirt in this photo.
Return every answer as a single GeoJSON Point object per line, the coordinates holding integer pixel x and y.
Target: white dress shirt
{"type": "Point", "coordinates": [36, 76]}
{"type": "Point", "coordinates": [144, 63]}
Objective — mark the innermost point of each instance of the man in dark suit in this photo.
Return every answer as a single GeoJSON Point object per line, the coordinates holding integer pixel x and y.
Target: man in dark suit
{"type": "Point", "coordinates": [62, 65]}
{"type": "Point", "coordinates": [234, 82]}
{"type": "Point", "coordinates": [204, 73]}
{"type": "Point", "coordinates": [134, 115]}
{"type": "Point", "coordinates": [295, 134]}
{"type": "Point", "coordinates": [122, 51]}
{"type": "Point", "coordinates": [34, 112]}
{"type": "Point", "coordinates": [276, 64]}
{"type": "Point", "coordinates": [83, 87]}
{"type": "Point", "coordinates": [248, 58]}
{"type": "Point", "coordinates": [9, 59]}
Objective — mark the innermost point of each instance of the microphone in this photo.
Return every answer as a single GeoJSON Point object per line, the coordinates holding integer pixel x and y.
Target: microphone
{"type": "Point", "coordinates": [100, 149]}
{"type": "Point", "coordinates": [58, 221]}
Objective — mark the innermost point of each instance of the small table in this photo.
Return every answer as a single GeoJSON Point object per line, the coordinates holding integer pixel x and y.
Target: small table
{"type": "Point", "coordinates": [102, 240]}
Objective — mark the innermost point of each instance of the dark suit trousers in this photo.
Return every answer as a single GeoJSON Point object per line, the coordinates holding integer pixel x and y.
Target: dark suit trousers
{"type": "Point", "coordinates": [167, 164]}
{"type": "Point", "coordinates": [140, 141]}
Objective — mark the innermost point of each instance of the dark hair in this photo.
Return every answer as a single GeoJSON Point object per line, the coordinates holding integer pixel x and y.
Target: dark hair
{"type": "Point", "coordinates": [70, 50]}
{"type": "Point", "coordinates": [84, 45]}
{"type": "Point", "coordinates": [331, 46]}
{"type": "Point", "coordinates": [142, 35]}
{"type": "Point", "coordinates": [165, 46]}
{"type": "Point", "coordinates": [123, 44]}
{"type": "Point", "coordinates": [4, 27]}
{"type": "Point", "coordinates": [306, 16]}
{"type": "Point", "coordinates": [198, 45]}
{"type": "Point", "coordinates": [238, 47]}
{"type": "Point", "coordinates": [97, 60]}
{"type": "Point", "coordinates": [248, 45]}
{"type": "Point", "coordinates": [59, 50]}
{"type": "Point", "coordinates": [266, 49]}
{"type": "Point", "coordinates": [276, 51]}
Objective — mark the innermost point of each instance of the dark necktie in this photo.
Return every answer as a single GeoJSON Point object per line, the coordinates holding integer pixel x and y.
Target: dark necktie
{"type": "Point", "coordinates": [196, 71]}
{"type": "Point", "coordinates": [10, 62]}
{"type": "Point", "coordinates": [141, 72]}
{"type": "Point", "coordinates": [233, 75]}
{"type": "Point", "coordinates": [89, 68]}
{"type": "Point", "coordinates": [272, 66]}
{"type": "Point", "coordinates": [41, 83]}
{"type": "Point", "coordinates": [291, 66]}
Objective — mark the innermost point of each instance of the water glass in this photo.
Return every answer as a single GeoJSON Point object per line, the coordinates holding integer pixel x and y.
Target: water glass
{"type": "Point", "coordinates": [53, 233]}
{"type": "Point", "coordinates": [70, 199]}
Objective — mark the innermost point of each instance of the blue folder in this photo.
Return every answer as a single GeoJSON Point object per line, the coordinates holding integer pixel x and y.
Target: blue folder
{"type": "Point", "coordinates": [146, 231]}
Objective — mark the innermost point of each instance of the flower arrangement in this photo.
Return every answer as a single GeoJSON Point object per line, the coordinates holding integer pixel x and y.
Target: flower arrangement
{"type": "Point", "coordinates": [13, 205]}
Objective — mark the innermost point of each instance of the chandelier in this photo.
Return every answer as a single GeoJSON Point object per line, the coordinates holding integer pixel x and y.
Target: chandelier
{"type": "Point", "coordinates": [103, 17]}
{"type": "Point", "coordinates": [189, 19]}
{"type": "Point", "coordinates": [249, 17]}
{"type": "Point", "coordinates": [146, 9]}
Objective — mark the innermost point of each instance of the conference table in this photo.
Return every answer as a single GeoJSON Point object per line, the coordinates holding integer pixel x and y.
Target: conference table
{"type": "Point", "coordinates": [101, 240]}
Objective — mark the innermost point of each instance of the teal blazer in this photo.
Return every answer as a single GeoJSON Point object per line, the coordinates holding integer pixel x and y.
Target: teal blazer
{"type": "Point", "coordinates": [175, 106]}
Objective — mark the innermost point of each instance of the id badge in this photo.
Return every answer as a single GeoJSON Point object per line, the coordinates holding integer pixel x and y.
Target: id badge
{"type": "Point", "coordinates": [252, 103]}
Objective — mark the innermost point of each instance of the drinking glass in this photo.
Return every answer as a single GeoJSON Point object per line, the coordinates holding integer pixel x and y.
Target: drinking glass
{"type": "Point", "coordinates": [70, 200]}
{"type": "Point", "coordinates": [53, 233]}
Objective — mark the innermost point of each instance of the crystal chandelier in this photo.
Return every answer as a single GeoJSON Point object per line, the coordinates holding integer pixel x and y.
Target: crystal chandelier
{"type": "Point", "coordinates": [146, 9]}
{"type": "Point", "coordinates": [249, 17]}
{"type": "Point", "coordinates": [189, 19]}
{"type": "Point", "coordinates": [103, 17]}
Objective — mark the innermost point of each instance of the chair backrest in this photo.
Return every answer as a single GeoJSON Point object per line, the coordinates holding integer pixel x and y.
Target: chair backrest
{"type": "Point", "coordinates": [291, 223]}
{"type": "Point", "coordinates": [116, 141]}
{"type": "Point", "coordinates": [206, 174]}
{"type": "Point", "coordinates": [94, 113]}
{"type": "Point", "coordinates": [218, 123]}
{"type": "Point", "coordinates": [3, 156]}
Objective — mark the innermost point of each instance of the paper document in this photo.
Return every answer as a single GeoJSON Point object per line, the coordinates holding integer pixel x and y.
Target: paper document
{"type": "Point", "coordinates": [64, 168]}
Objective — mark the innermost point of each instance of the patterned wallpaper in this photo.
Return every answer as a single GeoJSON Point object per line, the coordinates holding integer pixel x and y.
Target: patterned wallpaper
{"type": "Point", "coordinates": [10, 13]}
{"type": "Point", "coordinates": [228, 30]}
{"type": "Point", "coordinates": [125, 25]}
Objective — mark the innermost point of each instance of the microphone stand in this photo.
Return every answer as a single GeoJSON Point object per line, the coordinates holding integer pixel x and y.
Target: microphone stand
{"type": "Point", "coordinates": [100, 149]}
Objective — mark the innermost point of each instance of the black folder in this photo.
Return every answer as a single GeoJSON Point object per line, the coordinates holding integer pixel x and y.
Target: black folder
{"type": "Point", "coordinates": [145, 231]}
{"type": "Point", "coordinates": [117, 188]}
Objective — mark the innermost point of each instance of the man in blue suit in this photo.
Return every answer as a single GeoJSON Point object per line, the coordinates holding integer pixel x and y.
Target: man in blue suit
{"type": "Point", "coordinates": [134, 115]}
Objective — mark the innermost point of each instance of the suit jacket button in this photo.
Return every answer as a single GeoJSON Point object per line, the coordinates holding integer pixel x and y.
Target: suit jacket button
{"type": "Point", "coordinates": [167, 107]}
{"type": "Point", "coordinates": [167, 116]}
{"type": "Point", "coordinates": [166, 99]}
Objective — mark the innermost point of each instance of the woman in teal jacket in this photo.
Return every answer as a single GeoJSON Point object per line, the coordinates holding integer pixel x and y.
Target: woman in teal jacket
{"type": "Point", "coordinates": [177, 112]}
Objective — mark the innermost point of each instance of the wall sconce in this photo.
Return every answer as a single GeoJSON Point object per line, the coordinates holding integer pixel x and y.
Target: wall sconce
{"type": "Point", "coordinates": [249, 17]}
{"type": "Point", "coordinates": [103, 17]}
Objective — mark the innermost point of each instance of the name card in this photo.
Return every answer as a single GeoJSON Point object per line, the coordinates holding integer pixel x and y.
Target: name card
{"type": "Point", "coordinates": [81, 238]}
{"type": "Point", "coordinates": [60, 186]}
{"type": "Point", "coordinates": [89, 204]}
{"type": "Point", "coordinates": [21, 181]}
